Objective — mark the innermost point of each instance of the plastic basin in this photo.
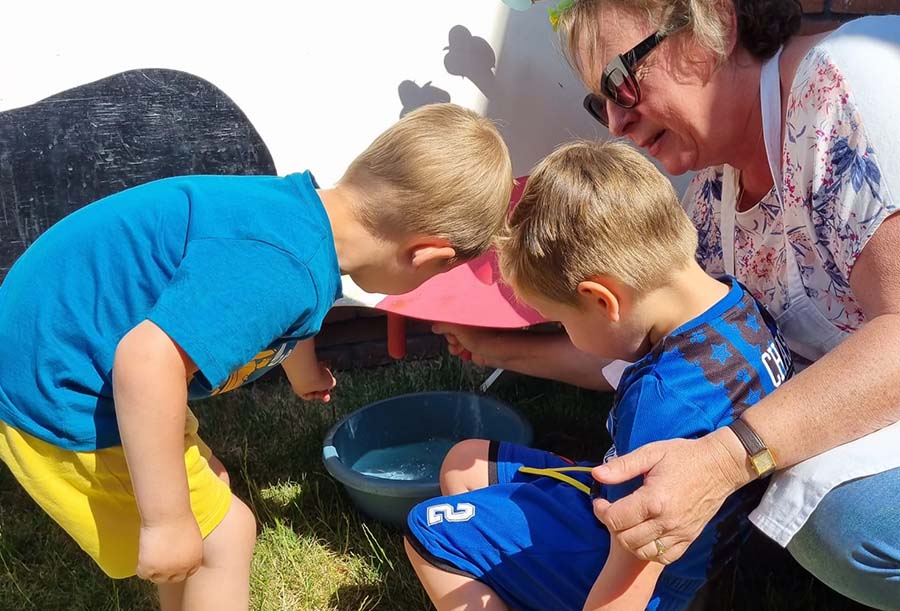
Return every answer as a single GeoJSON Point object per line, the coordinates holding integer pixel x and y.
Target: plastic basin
{"type": "Point", "coordinates": [388, 454]}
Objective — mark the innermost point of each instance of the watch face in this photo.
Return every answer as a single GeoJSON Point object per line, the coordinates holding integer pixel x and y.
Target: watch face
{"type": "Point", "coordinates": [763, 462]}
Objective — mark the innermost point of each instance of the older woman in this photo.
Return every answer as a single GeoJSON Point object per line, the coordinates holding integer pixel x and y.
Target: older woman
{"type": "Point", "coordinates": [797, 145]}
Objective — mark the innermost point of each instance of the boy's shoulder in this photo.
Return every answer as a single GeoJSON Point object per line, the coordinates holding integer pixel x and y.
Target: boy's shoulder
{"type": "Point", "coordinates": [698, 379]}
{"type": "Point", "coordinates": [284, 212]}
{"type": "Point", "coordinates": [723, 361]}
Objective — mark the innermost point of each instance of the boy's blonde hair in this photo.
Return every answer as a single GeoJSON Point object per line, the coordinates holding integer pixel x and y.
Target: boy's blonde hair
{"type": "Point", "coordinates": [594, 209]}
{"type": "Point", "coordinates": [442, 170]}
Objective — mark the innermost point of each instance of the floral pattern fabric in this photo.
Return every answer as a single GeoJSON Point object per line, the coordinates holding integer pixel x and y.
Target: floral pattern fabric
{"type": "Point", "coordinates": [834, 201]}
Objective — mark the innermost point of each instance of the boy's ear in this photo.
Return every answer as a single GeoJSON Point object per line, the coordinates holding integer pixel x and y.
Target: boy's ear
{"type": "Point", "coordinates": [600, 294]}
{"type": "Point", "coordinates": [435, 251]}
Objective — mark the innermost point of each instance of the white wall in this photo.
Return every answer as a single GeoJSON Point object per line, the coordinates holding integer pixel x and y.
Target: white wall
{"type": "Point", "coordinates": [318, 79]}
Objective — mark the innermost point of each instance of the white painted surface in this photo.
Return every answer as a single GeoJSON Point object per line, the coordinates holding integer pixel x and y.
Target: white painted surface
{"type": "Point", "coordinates": [318, 79]}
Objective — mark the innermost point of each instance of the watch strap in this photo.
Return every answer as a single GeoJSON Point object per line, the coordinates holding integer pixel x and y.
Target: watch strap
{"type": "Point", "coordinates": [758, 454]}
{"type": "Point", "coordinates": [748, 437]}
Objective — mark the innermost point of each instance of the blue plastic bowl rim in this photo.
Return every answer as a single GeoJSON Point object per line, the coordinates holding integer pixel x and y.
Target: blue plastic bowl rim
{"type": "Point", "coordinates": [377, 485]}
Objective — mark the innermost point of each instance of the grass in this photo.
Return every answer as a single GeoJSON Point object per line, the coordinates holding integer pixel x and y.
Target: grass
{"type": "Point", "coordinates": [314, 551]}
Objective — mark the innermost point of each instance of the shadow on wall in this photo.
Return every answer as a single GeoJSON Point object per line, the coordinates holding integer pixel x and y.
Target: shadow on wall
{"type": "Point", "coordinates": [532, 93]}
{"type": "Point", "coordinates": [468, 56]}
{"type": "Point", "coordinates": [471, 57]}
{"type": "Point", "coordinates": [413, 96]}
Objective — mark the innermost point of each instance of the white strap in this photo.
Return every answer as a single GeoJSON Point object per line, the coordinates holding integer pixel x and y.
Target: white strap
{"type": "Point", "coordinates": [730, 181]}
{"type": "Point", "coordinates": [770, 101]}
{"type": "Point", "coordinates": [770, 104]}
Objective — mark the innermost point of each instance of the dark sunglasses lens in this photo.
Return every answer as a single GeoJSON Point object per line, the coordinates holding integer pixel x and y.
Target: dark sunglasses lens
{"type": "Point", "coordinates": [596, 106]}
{"type": "Point", "coordinates": [621, 88]}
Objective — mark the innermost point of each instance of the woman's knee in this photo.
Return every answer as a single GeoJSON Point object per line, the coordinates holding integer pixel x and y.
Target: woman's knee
{"type": "Point", "coordinates": [851, 541]}
{"type": "Point", "coordinates": [465, 467]}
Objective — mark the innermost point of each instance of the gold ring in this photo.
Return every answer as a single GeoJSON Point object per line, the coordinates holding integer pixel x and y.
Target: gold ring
{"type": "Point", "coordinates": [660, 548]}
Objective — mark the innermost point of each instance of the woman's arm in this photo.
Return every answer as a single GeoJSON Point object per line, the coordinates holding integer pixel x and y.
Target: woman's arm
{"type": "Point", "coordinates": [853, 390]}
{"type": "Point", "coordinates": [543, 355]}
{"type": "Point", "coordinates": [850, 392]}
{"type": "Point", "coordinates": [624, 584]}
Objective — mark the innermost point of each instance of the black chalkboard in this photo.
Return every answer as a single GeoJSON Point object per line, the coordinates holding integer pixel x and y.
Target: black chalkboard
{"type": "Point", "coordinates": [77, 146]}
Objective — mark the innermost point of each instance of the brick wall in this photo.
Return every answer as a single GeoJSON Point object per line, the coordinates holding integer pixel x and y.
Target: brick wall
{"type": "Point", "coordinates": [357, 337]}
{"type": "Point", "coordinates": [820, 15]}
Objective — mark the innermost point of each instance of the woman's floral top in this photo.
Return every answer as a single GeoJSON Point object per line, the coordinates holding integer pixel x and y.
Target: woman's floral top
{"type": "Point", "coordinates": [835, 199]}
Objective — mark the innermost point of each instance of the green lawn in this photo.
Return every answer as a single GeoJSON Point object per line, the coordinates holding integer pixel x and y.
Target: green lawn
{"type": "Point", "coordinates": [314, 551]}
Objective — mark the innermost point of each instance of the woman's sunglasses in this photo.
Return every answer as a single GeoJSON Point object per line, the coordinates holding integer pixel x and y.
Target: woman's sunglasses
{"type": "Point", "coordinates": [619, 84]}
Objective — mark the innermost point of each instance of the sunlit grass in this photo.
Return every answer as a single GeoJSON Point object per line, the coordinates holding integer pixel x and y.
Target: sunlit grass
{"type": "Point", "coordinates": [314, 551]}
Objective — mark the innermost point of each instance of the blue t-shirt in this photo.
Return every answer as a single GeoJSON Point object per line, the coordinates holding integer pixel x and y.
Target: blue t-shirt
{"type": "Point", "coordinates": [235, 269]}
{"type": "Point", "coordinates": [697, 379]}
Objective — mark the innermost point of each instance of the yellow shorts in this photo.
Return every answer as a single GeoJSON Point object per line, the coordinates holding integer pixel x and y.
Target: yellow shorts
{"type": "Point", "coordinates": [90, 495]}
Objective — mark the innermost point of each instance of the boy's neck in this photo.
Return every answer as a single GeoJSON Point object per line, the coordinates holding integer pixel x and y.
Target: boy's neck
{"type": "Point", "coordinates": [690, 293]}
{"type": "Point", "coordinates": [351, 239]}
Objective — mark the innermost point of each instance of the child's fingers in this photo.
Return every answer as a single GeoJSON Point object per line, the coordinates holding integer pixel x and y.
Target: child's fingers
{"type": "Point", "coordinates": [163, 577]}
{"type": "Point", "coordinates": [319, 395]}
{"type": "Point", "coordinates": [177, 578]}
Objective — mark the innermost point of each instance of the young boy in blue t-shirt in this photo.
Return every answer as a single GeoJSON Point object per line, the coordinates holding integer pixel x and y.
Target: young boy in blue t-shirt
{"type": "Point", "coordinates": [192, 286]}
{"type": "Point", "coordinates": [599, 243]}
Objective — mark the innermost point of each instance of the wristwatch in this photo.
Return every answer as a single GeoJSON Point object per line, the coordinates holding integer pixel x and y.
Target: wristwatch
{"type": "Point", "coordinates": [758, 454]}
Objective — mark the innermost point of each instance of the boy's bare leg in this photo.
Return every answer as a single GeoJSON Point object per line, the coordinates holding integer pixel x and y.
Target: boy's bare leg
{"type": "Point", "coordinates": [465, 467]}
{"type": "Point", "coordinates": [223, 580]}
{"type": "Point", "coordinates": [170, 595]}
{"type": "Point", "coordinates": [450, 592]}
{"type": "Point", "coordinates": [219, 469]}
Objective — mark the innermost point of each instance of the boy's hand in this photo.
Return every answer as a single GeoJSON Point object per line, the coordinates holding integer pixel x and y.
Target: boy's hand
{"type": "Point", "coordinates": [171, 551]}
{"type": "Point", "coordinates": [316, 385]}
{"type": "Point", "coordinates": [309, 378]}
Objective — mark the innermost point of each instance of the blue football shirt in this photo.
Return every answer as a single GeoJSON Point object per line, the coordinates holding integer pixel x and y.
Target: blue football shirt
{"type": "Point", "coordinates": [697, 379]}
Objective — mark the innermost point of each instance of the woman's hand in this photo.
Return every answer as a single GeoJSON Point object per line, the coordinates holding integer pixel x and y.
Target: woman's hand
{"type": "Point", "coordinates": [543, 355]}
{"type": "Point", "coordinates": [685, 484]}
{"type": "Point", "coordinates": [470, 343]}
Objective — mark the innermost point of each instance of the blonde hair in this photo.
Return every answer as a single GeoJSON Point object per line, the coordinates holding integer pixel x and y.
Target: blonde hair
{"type": "Point", "coordinates": [594, 209]}
{"type": "Point", "coordinates": [762, 26]}
{"type": "Point", "coordinates": [443, 171]}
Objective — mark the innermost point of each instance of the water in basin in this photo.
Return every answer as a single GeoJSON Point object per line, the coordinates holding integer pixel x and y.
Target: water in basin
{"type": "Point", "coordinates": [419, 461]}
